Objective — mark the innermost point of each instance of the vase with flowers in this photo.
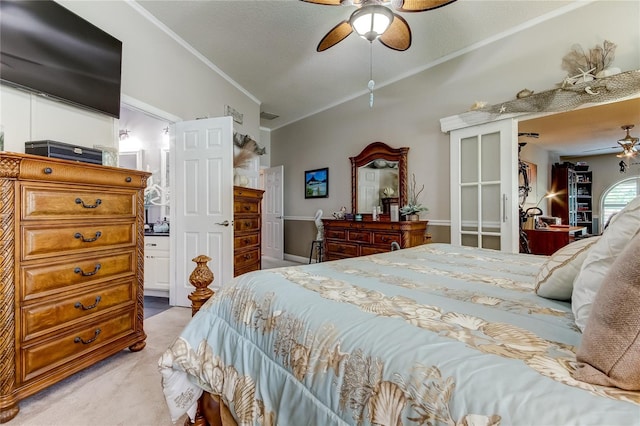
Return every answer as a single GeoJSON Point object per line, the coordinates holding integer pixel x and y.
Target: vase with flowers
{"type": "Point", "coordinates": [413, 207]}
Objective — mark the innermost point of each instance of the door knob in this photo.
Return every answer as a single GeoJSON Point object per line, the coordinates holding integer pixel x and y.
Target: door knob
{"type": "Point", "coordinates": [225, 223]}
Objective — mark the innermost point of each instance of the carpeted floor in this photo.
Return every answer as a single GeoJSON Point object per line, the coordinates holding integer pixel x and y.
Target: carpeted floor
{"type": "Point", "coordinates": [121, 390]}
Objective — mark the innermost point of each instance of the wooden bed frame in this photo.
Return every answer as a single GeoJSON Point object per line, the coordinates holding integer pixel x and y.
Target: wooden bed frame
{"type": "Point", "coordinates": [211, 410]}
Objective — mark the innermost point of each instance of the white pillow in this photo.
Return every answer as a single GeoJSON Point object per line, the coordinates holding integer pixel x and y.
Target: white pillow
{"type": "Point", "coordinates": [622, 228]}
{"type": "Point", "coordinates": [555, 277]}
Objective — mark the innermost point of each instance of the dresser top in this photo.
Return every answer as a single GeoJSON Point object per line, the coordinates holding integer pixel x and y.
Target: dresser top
{"type": "Point", "coordinates": [34, 167]}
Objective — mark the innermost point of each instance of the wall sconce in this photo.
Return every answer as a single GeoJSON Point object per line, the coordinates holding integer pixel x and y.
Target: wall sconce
{"type": "Point", "coordinates": [123, 134]}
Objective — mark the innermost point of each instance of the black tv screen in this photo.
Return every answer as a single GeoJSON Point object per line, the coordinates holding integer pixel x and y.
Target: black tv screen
{"type": "Point", "coordinates": [49, 50]}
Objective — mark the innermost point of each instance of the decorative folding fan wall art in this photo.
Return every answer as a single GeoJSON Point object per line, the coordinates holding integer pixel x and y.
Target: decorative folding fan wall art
{"type": "Point", "coordinates": [374, 20]}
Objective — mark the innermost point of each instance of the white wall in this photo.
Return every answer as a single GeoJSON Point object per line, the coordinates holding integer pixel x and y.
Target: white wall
{"type": "Point", "coordinates": [156, 70]}
{"type": "Point", "coordinates": [407, 113]}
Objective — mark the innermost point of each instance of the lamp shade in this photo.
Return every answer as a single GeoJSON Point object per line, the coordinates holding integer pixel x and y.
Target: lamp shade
{"type": "Point", "coordinates": [371, 21]}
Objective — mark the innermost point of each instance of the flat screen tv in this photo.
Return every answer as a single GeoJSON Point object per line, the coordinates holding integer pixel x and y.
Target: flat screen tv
{"type": "Point", "coordinates": [49, 50]}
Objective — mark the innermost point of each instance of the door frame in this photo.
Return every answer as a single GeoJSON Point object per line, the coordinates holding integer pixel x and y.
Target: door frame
{"type": "Point", "coordinates": [474, 121]}
{"type": "Point", "coordinates": [277, 250]}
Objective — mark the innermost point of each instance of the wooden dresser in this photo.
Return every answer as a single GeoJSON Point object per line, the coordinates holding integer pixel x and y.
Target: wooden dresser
{"type": "Point", "coordinates": [347, 238]}
{"type": "Point", "coordinates": [72, 270]}
{"type": "Point", "coordinates": [247, 228]}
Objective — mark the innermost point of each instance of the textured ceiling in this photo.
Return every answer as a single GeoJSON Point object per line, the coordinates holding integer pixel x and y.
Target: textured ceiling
{"type": "Point", "coordinates": [268, 47]}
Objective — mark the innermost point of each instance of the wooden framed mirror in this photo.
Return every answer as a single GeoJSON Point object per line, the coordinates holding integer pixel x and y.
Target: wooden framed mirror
{"type": "Point", "coordinates": [376, 169]}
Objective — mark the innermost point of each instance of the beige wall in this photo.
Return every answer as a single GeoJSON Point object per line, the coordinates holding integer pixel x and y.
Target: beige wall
{"type": "Point", "coordinates": [407, 113]}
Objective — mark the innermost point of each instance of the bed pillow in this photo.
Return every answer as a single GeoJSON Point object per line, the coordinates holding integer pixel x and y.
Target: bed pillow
{"type": "Point", "coordinates": [555, 277]}
{"type": "Point", "coordinates": [622, 228]}
{"type": "Point", "coordinates": [609, 353]}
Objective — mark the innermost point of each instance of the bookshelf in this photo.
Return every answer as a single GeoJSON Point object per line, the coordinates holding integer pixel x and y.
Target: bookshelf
{"type": "Point", "coordinates": [584, 191]}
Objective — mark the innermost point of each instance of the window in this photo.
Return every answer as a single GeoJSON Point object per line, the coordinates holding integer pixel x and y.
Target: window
{"type": "Point", "coordinates": [618, 196]}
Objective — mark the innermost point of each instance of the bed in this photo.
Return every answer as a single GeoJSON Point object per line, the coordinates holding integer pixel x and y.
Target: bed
{"type": "Point", "coordinates": [434, 334]}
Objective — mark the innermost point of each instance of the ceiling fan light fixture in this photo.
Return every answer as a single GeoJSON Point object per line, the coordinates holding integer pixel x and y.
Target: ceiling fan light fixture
{"type": "Point", "coordinates": [371, 21]}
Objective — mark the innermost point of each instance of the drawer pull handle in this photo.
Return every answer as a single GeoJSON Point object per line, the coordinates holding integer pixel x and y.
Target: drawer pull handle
{"type": "Point", "coordinates": [79, 305]}
{"type": "Point", "coordinates": [86, 342]}
{"type": "Point", "coordinates": [89, 206]}
{"type": "Point", "coordinates": [127, 179]}
{"type": "Point", "coordinates": [78, 270]}
{"type": "Point", "coordinates": [247, 256]}
{"type": "Point", "coordinates": [384, 239]}
{"type": "Point", "coordinates": [247, 240]}
{"type": "Point", "coordinates": [48, 170]}
{"type": "Point", "coordinates": [151, 244]}
{"type": "Point", "coordinates": [247, 208]}
{"type": "Point", "coordinates": [87, 240]}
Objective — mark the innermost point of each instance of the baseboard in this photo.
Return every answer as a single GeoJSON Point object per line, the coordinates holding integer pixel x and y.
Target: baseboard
{"type": "Point", "coordinates": [295, 258]}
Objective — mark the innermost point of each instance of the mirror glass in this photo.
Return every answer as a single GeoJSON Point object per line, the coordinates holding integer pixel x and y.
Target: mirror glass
{"type": "Point", "coordinates": [378, 178]}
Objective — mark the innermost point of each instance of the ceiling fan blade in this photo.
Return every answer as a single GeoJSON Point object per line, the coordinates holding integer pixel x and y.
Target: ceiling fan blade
{"type": "Point", "coordinates": [601, 149]}
{"type": "Point", "coordinates": [325, 2]}
{"type": "Point", "coordinates": [398, 35]}
{"type": "Point", "coordinates": [335, 36]}
{"type": "Point", "coordinates": [418, 5]}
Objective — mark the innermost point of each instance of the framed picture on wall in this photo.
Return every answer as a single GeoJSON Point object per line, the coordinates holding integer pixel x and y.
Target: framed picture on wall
{"type": "Point", "coordinates": [316, 183]}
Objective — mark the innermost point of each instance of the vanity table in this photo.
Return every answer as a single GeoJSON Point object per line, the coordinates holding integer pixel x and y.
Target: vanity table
{"type": "Point", "coordinates": [377, 171]}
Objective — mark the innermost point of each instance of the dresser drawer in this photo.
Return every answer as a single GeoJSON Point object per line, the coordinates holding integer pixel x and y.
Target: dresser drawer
{"type": "Point", "coordinates": [43, 280]}
{"type": "Point", "coordinates": [51, 170]}
{"type": "Point", "coordinates": [40, 318]}
{"type": "Point", "coordinates": [245, 258]}
{"type": "Point", "coordinates": [367, 250]}
{"type": "Point", "coordinates": [245, 269]}
{"type": "Point", "coordinates": [245, 206]}
{"type": "Point", "coordinates": [343, 249]}
{"type": "Point", "coordinates": [246, 224]}
{"type": "Point", "coordinates": [41, 357]}
{"type": "Point", "coordinates": [337, 234]}
{"type": "Point", "coordinates": [48, 202]}
{"type": "Point", "coordinates": [40, 241]}
{"type": "Point", "coordinates": [156, 243]}
{"type": "Point", "coordinates": [242, 241]}
{"type": "Point", "coordinates": [359, 236]}
{"type": "Point", "coordinates": [382, 238]}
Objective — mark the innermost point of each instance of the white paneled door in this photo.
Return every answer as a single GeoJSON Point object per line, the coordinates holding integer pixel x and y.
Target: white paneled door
{"type": "Point", "coordinates": [484, 189]}
{"type": "Point", "coordinates": [201, 202]}
{"type": "Point", "coordinates": [272, 213]}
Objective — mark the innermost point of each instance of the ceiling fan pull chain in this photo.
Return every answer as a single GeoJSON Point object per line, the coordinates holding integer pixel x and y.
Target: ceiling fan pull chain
{"type": "Point", "coordinates": [371, 83]}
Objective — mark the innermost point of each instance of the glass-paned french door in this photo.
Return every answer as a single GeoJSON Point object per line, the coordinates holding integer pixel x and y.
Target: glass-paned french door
{"type": "Point", "coordinates": [484, 186]}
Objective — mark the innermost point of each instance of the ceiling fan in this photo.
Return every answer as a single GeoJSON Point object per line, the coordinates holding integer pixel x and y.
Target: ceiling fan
{"type": "Point", "coordinates": [628, 143]}
{"type": "Point", "coordinates": [373, 19]}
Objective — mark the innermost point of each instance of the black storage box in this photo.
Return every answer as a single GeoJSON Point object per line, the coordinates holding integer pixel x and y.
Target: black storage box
{"type": "Point", "coordinates": [65, 151]}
